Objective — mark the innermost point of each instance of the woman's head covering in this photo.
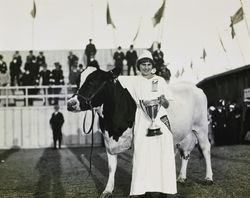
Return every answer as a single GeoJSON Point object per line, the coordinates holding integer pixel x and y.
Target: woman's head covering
{"type": "Point", "coordinates": [146, 56]}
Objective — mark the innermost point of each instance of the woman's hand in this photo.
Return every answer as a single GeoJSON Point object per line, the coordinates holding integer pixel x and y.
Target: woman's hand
{"type": "Point", "coordinates": [163, 101]}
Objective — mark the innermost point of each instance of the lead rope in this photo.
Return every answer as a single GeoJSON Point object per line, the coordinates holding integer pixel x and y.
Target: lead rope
{"type": "Point", "coordinates": [92, 135]}
{"type": "Point", "coordinates": [88, 101]}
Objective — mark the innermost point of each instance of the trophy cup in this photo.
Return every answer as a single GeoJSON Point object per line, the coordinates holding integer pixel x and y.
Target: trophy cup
{"type": "Point", "coordinates": [151, 108]}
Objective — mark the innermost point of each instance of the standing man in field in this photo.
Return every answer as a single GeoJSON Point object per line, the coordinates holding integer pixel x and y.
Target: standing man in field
{"type": "Point", "coordinates": [56, 123]}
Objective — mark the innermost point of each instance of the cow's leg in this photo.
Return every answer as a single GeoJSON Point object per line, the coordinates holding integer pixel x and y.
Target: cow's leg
{"type": "Point", "coordinates": [185, 147]}
{"type": "Point", "coordinates": [183, 171]}
{"type": "Point", "coordinates": [112, 163]}
{"type": "Point", "coordinates": [205, 147]}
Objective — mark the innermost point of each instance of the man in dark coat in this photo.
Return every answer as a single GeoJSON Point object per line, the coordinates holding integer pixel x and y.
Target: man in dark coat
{"type": "Point", "coordinates": [90, 51]}
{"type": "Point", "coordinates": [131, 57]}
{"type": "Point", "coordinates": [118, 58]}
{"type": "Point", "coordinates": [56, 122]}
{"type": "Point", "coordinates": [158, 57]}
{"type": "Point", "coordinates": [57, 78]}
{"type": "Point", "coordinates": [233, 123]}
{"type": "Point", "coordinates": [72, 60]}
{"type": "Point", "coordinates": [18, 58]}
{"type": "Point", "coordinates": [32, 67]}
{"type": "Point", "coordinates": [30, 57]}
{"type": "Point", "coordinates": [15, 72]}
{"type": "Point", "coordinates": [219, 118]}
{"type": "Point", "coordinates": [27, 79]}
{"type": "Point", "coordinates": [3, 65]}
{"type": "Point", "coordinates": [40, 59]}
{"type": "Point", "coordinates": [44, 75]}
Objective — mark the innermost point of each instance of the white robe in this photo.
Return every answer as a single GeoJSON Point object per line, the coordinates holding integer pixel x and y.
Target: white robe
{"type": "Point", "coordinates": [154, 160]}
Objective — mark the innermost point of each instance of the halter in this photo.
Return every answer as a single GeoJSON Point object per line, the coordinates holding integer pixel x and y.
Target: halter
{"type": "Point", "coordinates": [88, 102]}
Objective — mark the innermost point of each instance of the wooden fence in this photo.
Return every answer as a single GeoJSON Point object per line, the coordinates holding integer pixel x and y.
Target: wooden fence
{"type": "Point", "coordinates": [28, 126]}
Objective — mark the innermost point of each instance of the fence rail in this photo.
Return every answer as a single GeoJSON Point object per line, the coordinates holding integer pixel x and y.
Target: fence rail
{"type": "Point", "coordinates": [9, 95]}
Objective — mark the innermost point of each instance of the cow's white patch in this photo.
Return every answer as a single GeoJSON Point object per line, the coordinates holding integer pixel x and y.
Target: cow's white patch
{"type": "Point", "coordinates": [114, 147]}
{"type": "Point", "coordinates": [99, 111]}
{"type": "Point", "coordinates": [85, 74]}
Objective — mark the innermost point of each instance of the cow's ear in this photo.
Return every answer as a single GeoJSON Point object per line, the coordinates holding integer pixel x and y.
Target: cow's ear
{"type": "Point", "coordinates": [115, 72]}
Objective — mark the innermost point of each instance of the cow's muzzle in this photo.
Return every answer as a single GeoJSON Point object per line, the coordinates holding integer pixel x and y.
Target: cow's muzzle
{"type": "Point", "coordinates": [73, 104]}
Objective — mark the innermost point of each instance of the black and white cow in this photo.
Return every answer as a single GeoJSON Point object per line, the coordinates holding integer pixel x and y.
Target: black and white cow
{"type": "Point", "coordinates": [187, 115]}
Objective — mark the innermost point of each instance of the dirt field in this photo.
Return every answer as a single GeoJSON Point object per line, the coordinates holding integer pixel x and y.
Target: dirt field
{"type": "Point", "coordinates": [64, 173]}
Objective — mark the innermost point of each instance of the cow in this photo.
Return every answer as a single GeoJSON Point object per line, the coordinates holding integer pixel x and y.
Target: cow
{"type": "Point", "coordinates": [111, 93]}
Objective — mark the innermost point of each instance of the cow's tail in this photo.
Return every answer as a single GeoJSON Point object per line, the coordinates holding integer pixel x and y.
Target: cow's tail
{"type": "Point", "coordinates": [200, 151]}
{"type": "Point", "coordinates": [198, 146]}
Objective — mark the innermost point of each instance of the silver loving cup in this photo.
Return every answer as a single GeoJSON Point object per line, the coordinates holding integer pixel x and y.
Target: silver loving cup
{"type": "Point", "coordinates": [151, 108]}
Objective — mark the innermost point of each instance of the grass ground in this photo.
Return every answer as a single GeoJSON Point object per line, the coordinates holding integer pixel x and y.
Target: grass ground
{"type": "Point", "coordinates": [64, 173]}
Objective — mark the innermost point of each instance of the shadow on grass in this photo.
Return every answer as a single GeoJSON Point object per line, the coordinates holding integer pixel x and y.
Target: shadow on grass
{"type": "Point", "coordinates": [50, 171]}
{"type": "Point", "coordinates": [79, 152]}
{"type": "Point", "coordinates": [99, 173]}
{"type": "Point", "coordinates": [6, 154]}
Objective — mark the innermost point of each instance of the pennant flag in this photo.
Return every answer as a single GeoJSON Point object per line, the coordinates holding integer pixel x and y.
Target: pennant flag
{"type": "Point", "coordinates": [33, 11]}
{"type": "Point", "coordinates": [136, 35]}
{"type": "Point", "coordinates": [159, 14]}
{"type": "Point", "coordinates": [191, 65]}
{"type": "Point", "coordinates": [151, 49]}
{"type": "Point", "coordinates": [222, 45]}
{"type": "Point", "coordinates": [109, 19]}
{"type": "Point", "coordinates": [182, 71]}
{"type": "Point", "coordinates": [237, 17]}
{"type": "Point", "coordinates": [204, 54]}
{"type": "Point", "coordinates": [232, 32]}
{"type": "Point", "coordinates": [177, 74]}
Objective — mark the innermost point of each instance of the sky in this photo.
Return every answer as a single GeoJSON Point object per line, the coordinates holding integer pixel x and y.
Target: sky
{"type": "Point", "coordinates": [188, 27]}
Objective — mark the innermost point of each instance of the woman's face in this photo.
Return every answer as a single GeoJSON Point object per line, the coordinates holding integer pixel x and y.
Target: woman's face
{"type": "Point", "coordinates": [146, 68]}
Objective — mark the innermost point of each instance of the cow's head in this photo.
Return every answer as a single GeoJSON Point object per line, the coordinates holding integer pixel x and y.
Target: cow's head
{"type": "Point", "coordinates": [91, 89]}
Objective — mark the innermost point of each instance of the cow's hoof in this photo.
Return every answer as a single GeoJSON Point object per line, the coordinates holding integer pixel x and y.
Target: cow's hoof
{"type": "Point", "coordinates": [208, 181]}
{"type": "Point", "coordinates": [106, 195]}
{"type": "Point", "coordinates": [182, 180]}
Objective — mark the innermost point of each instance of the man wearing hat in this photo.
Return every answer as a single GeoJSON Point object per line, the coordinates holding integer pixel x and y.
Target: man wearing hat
{"type": "Point", "coordinates": [158, 58]}
{"type": "Point", "coordinates": [57, 78]}
{"type": "Point", "coordinates": [41, 60]}
{"type": "Point", "coordinates": [90, 51]}
{"type": "Point", "coordinates": [118, 59]}
{"type": "Point", "coordinates": [131, 57]}
{"type": "Point", "coordinates": [3, 66]}
{"type": "Point", "coordinates": [56, 122]}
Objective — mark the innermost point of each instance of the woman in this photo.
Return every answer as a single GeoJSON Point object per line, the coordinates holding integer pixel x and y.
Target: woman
{"type": "Point", "coordinates": [153, 160]}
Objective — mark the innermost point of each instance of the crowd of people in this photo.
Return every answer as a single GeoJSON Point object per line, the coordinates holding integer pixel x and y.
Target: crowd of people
{"type": "Point", "coordinates": [229, 122]}
{"type": "Point", "coordinates": [34, 70]}
{"type": "Point", "coordinates": [130, 57]}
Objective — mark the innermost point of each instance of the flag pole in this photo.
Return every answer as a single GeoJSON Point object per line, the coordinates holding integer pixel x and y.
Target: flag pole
{"type": "Point", "coordinates": [92, 19]}
{"type": "Point", "coordinates": [115, 40]}
{"type": "Point", "coordinates": [32, 37]}
{"type": "Point", "coordinates": [241, 52]}
{"type": "Point", "coordinates": [244, 16]}
{"type": "Point", "coordinates": [224, 49]}
{"type": "Point", "coordinates": [33, 14]}
{"type": "Point", "coordinates": [163, 24]}
{"type": "Point", "coordinates": [138, 30]}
